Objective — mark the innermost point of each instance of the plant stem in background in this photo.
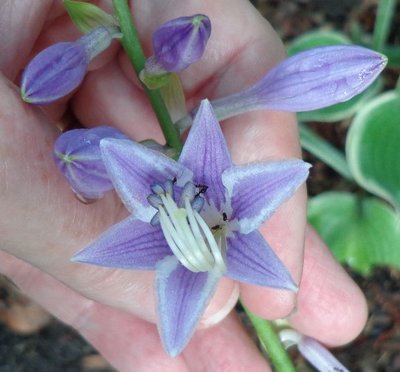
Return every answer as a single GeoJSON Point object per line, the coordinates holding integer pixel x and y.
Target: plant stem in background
{"type": "Point", "coordinates": [323, 150]}
{"type": "Point", "coordinates": [382, 23]}
{"type": "Point", "coordinates": [270, 340]}
{"type": "Point", "coordinates": [131, 43]}
{"type": "Point", "coordinates": [397, 88]}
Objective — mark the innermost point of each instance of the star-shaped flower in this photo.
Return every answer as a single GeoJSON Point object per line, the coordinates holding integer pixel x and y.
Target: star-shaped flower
{"type": "Point", "coordinates": [193, 221]}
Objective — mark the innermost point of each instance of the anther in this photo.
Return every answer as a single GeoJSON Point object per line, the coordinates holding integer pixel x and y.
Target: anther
{"type": "Point", "coordinates": [197, 203]}
{"type": "Point", "coordinates": [154, 200]}
{"type": "Point", "coordinates": [157, 189]}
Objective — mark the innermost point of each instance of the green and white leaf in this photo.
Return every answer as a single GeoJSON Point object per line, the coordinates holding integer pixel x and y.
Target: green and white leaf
{"type": "Point", "coordinates": [315, 39]}
{"type": "Point", "coordinates": [373, 147]}
{"type": "Point", "coordinates": [361, 232]}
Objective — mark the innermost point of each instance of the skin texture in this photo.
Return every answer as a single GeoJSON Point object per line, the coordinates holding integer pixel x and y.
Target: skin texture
{"type": "Point", "coordinates": [42, 224]}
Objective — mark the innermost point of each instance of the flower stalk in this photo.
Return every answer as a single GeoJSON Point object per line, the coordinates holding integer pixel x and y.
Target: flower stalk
{"type": "Point", "coordinates": [131, 43]}
{"type": "Point", "coordinates": [270, 341]}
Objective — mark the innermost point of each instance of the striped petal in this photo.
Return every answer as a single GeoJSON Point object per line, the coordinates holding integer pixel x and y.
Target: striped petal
{"type": "Point", "coordinates": [133, 169]}
{"type": "Point", "coordinates": [130, 244]}
{"type": "Point", "coordinates": [251, 260]}
{"type": "Point", "coordinates": [206, 154]}
{"type": "Point", "coordinates": [182, 298]}
{"type": "Point", "coordinates": [257, 190]}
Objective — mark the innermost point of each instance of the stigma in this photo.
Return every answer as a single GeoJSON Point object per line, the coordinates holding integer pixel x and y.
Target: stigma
{"type": "Point", "coordinates": [197, 246]}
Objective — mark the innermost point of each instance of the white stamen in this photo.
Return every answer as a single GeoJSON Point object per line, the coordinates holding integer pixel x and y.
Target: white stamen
{"type": "Point", "coordinates": [189, 237]}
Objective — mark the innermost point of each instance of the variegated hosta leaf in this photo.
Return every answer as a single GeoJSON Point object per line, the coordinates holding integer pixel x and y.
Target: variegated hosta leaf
{"type": "Point", "coordinates": [361, 232]}
{"type": "Point", "coordinates": [372, 147]}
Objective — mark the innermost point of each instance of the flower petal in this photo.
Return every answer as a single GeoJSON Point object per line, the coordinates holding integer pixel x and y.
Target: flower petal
{"type": "Point", "coordinates": [182, 298]}
{"type": "Point", "coordinates": [251, 260]}
{"type": "Point", "coordinates": [257, 190]}
{"type": "Point", "coordinates": [319, 356]}
{"type": "Point", "coordinates": [313, 79]}
{"type": "Point", "coordinates": [130, 244]}
{"type": "Point", "coordinates": [206, 153]}
{"type": "Point", "coordinates": [133, 168]}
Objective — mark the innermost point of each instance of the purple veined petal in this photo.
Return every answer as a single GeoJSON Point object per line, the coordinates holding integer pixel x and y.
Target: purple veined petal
{"type": "Point", "coordinates": [77, 156]}
{"type": "Point", "coordinates": [182, 298]}
{"type": "Point", "coordinates": [60, 68]}
{"type": "Point", "coordinates": [181, 42]}
{"type": "Point", "coordinates": [133, 169]}
{"type": "Point", "coordinates": [129, 244]}
{"type": "Point", "coordinates": [251, 260]}
{"type": "Point", "coordinates": [206, 154]}
{"type": "Point", "coordinates": [257, 190]}
{"type": "Point", "coordinates": [54, 72]}
{"type": "Point", "coordinates": [319, 356]}
{"type": "Point", "coordinates": [310, 80]}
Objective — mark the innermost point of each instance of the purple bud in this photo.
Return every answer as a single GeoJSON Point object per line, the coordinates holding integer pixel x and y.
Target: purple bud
{"type": "Point", "coordinates": [310, 80]}
{"type": "Point", "coordinates": [60, 68]}
{"type": "Point", "coordinates": [181, 42]}
{"type": "Point", "coordinates": [77, 156]}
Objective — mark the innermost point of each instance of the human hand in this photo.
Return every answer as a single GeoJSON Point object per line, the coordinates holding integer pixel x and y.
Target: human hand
{"type": "Point", "coordinates": [43, 224]}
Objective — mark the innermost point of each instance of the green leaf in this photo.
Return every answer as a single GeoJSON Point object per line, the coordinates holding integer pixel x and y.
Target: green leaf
{"type": "Point", "coordinates": [317, 38]}
{"type": "Point", "coordinates": [361, 232]}
{"type": "Point", "coordinates": [373, 147]}
{"type": "Point", "coordinates": [339, 111]}
{"type": "Point", "coordinates": [87, 16]}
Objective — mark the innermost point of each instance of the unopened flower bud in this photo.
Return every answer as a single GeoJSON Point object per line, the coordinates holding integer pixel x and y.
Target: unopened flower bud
{"type": "Point", "coordinates": [60, 68]}
{"type": "Point", "coordinates": [181, 42]}
{"type": "Point", "coordinates": [77, 155]}
{"type": "Point", "coordinates": [310, 80]}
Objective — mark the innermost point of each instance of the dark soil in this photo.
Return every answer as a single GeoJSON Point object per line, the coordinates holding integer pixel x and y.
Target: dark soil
{"type": "Point", "coordinates": [56, 347]}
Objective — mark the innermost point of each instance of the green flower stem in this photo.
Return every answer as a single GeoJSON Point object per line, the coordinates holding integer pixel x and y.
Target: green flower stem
{"type": "Point", "coordinates": [131, 43]}
{"type": "Point", "coordinates": [323, 150]}
{"type": "Point", "coordinates": [270, 340]}
{"type": "Point", "coordinates": [382, 23]}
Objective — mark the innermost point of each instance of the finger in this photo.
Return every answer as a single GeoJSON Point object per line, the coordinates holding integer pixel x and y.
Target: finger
{"type": "Point", "coordinates": [330, 306]}
{"type": "Point", "coordinates": [225, 347]}
{"type": "Point", "coordinates": [18, 37]}
{"type": "Point", "coordinates": [128, 342]}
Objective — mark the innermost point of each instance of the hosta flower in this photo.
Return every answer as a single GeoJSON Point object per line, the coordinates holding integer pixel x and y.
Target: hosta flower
{"type": "Point", "coordinates": [193, 221]}
{"type": "Point", "coordinates": [319, 356]}
{"type": "Point", "coordinates": [77, 156]}
{"type": "Point", "coordinates": [60, 68]}
{"type": "Point", "coordinates": [310, 80]}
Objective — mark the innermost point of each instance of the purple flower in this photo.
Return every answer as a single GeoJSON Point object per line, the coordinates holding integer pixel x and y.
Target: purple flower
{"type": "Point", "coordinates": [180, 42]}
{"type": "Point", "coordinates": [313, 351]}
{"type": "Point", "coordinates": [60, 68]}
{"type": "Point", "coordinates": [193, 221]}
{"type": "Point", "coordinates": [310, 80]}
{"type": "Point", "coordinates": [77, 156]}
